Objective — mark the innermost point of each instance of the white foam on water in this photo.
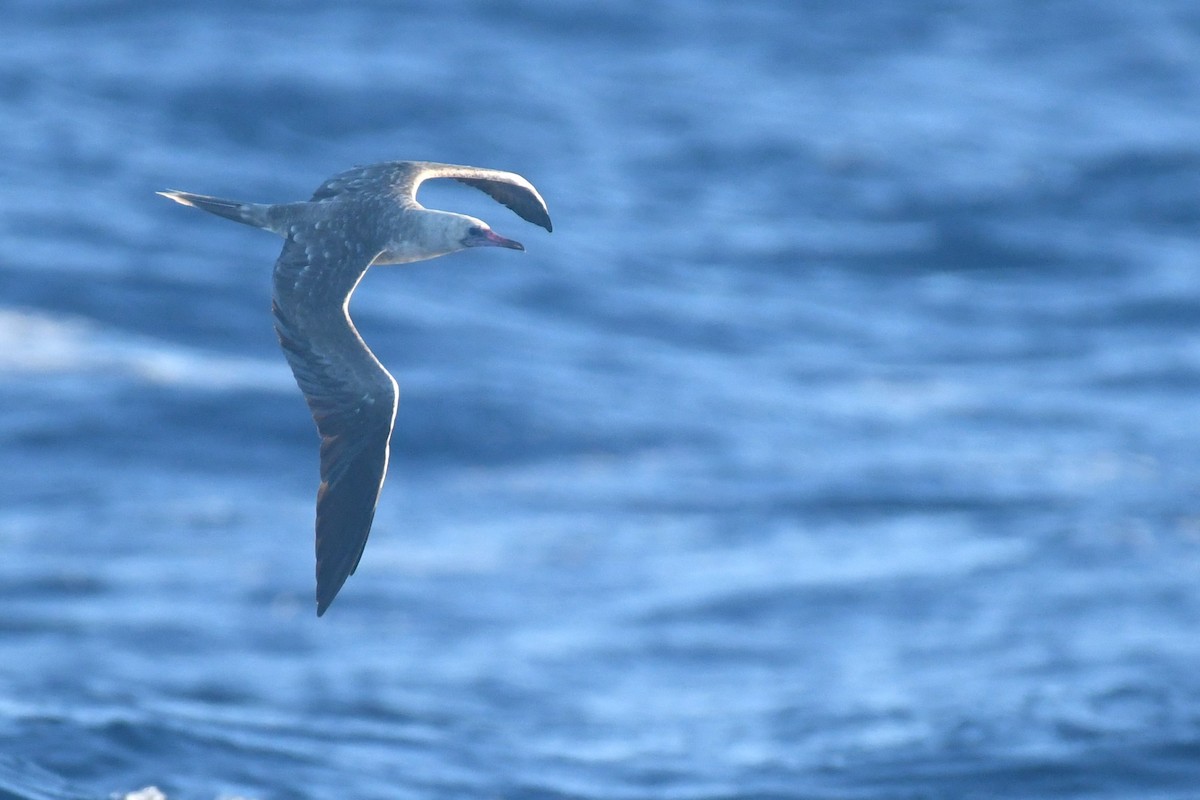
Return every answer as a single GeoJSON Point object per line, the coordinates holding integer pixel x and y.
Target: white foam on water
{"type": "Point", "coordinates": [35, 343]}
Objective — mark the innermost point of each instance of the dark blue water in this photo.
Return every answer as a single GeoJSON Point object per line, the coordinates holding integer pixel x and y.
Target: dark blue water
{"type": "Point", "coordinates": [841, 441]}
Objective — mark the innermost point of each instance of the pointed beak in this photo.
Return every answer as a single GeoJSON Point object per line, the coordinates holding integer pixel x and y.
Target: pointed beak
{"type": "Point", "coordinates": [490, 239]}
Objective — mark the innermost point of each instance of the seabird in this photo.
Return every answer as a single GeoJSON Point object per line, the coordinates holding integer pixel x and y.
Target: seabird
{"type": "Point", "coordinates": [355, 220]}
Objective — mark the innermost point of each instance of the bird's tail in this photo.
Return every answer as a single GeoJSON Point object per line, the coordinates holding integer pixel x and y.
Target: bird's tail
{"type": "Point", "coordinates": [255, 214]}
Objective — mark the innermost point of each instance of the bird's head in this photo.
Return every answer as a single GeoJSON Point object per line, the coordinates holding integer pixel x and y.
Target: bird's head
{"type": "Point", "coordinates": [435, 233]}
{"type": "Point", "coordinates": [476, 233]}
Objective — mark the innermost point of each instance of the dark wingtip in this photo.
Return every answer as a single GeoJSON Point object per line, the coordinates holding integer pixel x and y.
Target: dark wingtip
{"type": "Point", "coordinates": [538, 215]}
{"type": "Point", "coordinates": [328, 586]}
{"type": "Point", "coordinates": [345, 509]}
{"type": "Point", "coordinates": [324, 596]}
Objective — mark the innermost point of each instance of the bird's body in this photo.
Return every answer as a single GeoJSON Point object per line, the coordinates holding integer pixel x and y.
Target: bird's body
{"type": "Point", "coordinates": [363, 217]}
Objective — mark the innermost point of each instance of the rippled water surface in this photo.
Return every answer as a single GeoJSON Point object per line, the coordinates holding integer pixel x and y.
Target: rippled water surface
{"type": "Point", "coordinates": [840, 442]}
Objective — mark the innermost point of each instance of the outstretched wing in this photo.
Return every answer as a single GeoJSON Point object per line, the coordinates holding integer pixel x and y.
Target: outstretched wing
{"type": "Point", "coordinates": [368, 178]}
{"type": "Point", "coordinates": [405, 177]}
{"type": "Point", "coordinates": [351, 396]}
{"type": "Point", "coordinates": [506, 188]}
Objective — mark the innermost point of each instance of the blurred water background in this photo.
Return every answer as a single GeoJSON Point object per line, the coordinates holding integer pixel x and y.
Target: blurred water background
{"type": "Point", "coordinates": [840, 442]}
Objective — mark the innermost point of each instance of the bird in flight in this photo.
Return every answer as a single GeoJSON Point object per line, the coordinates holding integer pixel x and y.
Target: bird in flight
{"type": "Point", "coordinates": [355, 220]}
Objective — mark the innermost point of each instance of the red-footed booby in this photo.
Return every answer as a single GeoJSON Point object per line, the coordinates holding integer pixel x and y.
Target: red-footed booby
{"type": "Point", "coordinates": [355, 220]}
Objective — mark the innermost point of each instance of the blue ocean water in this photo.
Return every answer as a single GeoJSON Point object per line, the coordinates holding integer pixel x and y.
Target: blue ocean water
{"type": "Point", "coordinates": [840, 442]}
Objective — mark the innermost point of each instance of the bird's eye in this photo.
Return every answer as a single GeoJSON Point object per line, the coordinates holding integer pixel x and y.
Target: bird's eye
{"type": "Point", "coordinates": [475, 230]}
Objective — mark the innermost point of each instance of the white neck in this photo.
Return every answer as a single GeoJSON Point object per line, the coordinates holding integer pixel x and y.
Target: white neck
{"type": "Point", "coordinates": [425, 233]}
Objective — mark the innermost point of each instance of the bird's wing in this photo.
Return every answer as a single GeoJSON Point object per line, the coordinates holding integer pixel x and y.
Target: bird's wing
{"type": "Point", "coordinates": [507, 188]}
{"type": "Point", "coordinates": [368, 176]}
{"type": "Point", "coordinates": [405, 177]}
{"type": "Point", "coordinates": [351, 396]}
